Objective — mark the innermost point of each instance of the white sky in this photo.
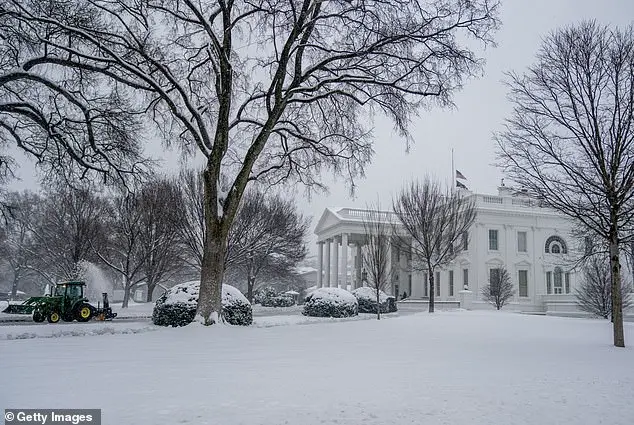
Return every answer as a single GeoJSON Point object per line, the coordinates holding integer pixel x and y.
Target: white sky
{"type": "Point", "coordinates": [480, 110]}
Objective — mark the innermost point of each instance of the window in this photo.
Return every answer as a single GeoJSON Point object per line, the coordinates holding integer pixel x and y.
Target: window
{"type": "Point", "coordinates": [425, 285]}
{"type": "Point", "coordinates": [493, 240]}
{"type": "Point", "coordinates": [465, 241]}
{"type": "Point", "coordinates": [521, 242]}
{"type": "Point", "coordinates": [549, 283]}
{"type": "Point", "coordinates": [494, 275]}
{"type": "Point", "coordinates": [555, 245]}
{"type": "Point", "coordinates": [438, 284]}
{"type": "Point", "coordinates": [451, 283]}
{"type": "Point", "coordinates": [558, 285]}
{"type": "Point", "coordinates": [567, 282]}
{"type": "Point", "coordinates": [522, 278]}
{"type": "Point", "coordinates": [465, 278]}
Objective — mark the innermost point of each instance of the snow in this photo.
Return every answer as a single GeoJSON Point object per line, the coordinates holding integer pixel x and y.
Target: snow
{"type": "Point", "coordinates": [187, 293]}
{"type": "Point", "coordinates": [336, 296]}
{"type": "Point", "coordinates": [60, 330]}
{"type": "Point", "coordinates": [370, 294]}
{"type": "Point", "coordinates": [464, 367]}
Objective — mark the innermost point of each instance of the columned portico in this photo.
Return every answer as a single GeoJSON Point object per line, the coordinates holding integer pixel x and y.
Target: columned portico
{"type": "Point", "coordinates": [327, 274]}
{"type": "Point", "coordinates": [320, 264]}
{"type": "Point", "coordinates": [344, 261]}
{"type": "Point", "coordinates": [358, 264]}
{"type": "Point", "coordinates": [334, 281]}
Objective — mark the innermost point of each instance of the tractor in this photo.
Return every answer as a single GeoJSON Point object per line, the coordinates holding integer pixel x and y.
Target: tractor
{"type": "Point", "coordinates": [66, 303]}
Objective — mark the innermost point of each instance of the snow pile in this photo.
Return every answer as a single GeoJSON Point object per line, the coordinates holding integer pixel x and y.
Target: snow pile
{"type": "Point", "coordinates": [60, 330]}
{"type": "Point", "coordinates": [366, 297]}
{"type": "Point", "coordinates": [331, 302]}
{"type": "Point", "coordinates": [177, 306]}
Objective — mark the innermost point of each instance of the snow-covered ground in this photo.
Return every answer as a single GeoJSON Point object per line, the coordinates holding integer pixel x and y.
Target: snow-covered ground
{"type": "Point", "coordinates": [447, 368]}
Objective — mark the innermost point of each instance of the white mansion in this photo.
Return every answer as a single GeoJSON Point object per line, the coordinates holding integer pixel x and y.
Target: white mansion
{"type": "Point", "coordinates": [533, 243]}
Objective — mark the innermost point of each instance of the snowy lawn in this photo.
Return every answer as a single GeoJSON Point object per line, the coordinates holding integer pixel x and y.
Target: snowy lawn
{"type": "Point", "coordinates": [446, 368]}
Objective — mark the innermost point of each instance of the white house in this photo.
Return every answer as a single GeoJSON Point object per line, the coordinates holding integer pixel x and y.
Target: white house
{"type": "Point", "coordinates": [533, 243]}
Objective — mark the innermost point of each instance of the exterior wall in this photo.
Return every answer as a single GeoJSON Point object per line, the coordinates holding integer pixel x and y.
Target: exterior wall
{"type": "Point", "coordinates": [505, 213]}
{"type": "Point", "coordinates": [509, 218]}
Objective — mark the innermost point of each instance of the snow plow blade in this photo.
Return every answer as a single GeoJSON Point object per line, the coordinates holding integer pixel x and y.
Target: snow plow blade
{"type": "Point", "coordinates": [18, 309]}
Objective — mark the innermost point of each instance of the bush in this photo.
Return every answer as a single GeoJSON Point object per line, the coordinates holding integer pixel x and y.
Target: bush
{"type": "Point", "coordinates": [330, 302]}
{"type": "Point", "coordinates": [366, 297]}
{"type": "Point", "coordinates": [282, 300]}
{"type": "Point", "coordinates": [177, 306]}
{"type": "Point", "coordinates": [262, 295]}
{"type": "Point", "coordinates": [391, 304]}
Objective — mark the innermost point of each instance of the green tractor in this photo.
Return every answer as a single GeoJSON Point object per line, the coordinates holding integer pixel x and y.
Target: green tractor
{"type": "Point", "coordinates": [66, 303]}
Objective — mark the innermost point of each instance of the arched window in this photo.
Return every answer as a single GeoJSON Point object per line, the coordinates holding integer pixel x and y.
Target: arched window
{"type": "Point", "coordinates": [555, 245]}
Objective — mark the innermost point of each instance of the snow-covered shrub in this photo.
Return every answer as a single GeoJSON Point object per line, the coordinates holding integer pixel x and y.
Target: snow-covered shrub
{"type": "Point", "coordinates": [262, 295]}
{"type": "Point", "coordinates": [282, 300]}
{"type": "Point", "coordinates": [330, 302]}
{"type": "Point", "coordinates": [177, 306]}
{"type": "Point", "coordinates": [391, 304]}
{"type": "Point", "coordinates": [366, 298]}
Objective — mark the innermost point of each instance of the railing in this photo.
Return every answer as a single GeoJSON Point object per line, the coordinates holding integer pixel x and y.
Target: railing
{"type": "Point", "coordinates": [523, 202]}
{"type": "Point", "coordinates": [492, 199]}
{"type": "Point", "coordinates": [359, 213]}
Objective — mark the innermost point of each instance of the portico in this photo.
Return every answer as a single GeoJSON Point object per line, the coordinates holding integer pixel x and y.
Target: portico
{"type": "Point", "coordinates": [341, 238]}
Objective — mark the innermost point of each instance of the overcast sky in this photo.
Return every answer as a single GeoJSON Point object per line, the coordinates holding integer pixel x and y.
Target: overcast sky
{"type": "Point", "coordinates": [480, 110]}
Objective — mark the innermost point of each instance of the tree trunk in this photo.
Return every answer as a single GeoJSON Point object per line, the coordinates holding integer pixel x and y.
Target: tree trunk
{"type": "Point", "coordinates": [431, 288]}
{"type": "Point", "coordinates": [250, 281]}
{"type": "Point", "coordinates": [150, 291]}
{"type": "Point", "coordinates": [14, 287]}
{"type": "Point", "coordinates": [126, 293]}
{"type": "Point", "coordinates": [378, 304]}
{"type": "Point", "coordinates": [209, 310]}
{"type": "Point", "coordinates": [617, 301]}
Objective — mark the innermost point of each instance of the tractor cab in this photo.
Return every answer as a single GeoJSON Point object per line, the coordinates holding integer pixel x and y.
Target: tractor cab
{"type": "Point", "coordinates": [72, 290]}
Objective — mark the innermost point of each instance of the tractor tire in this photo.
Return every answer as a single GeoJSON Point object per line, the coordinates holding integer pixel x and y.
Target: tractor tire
{"type": "Point", "coordinates": [38, 316]}
{"type": "Point", "coordinates": [53, 317]}
{"type": "Point", "coordinates": [83, 312]}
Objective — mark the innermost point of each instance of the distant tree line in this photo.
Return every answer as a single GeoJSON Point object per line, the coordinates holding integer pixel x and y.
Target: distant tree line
{"type": "Point", "coordinates": [151, 236]}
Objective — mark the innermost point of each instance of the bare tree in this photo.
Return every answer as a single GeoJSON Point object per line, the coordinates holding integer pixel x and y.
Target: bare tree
{"type": "Point", "coordinates": [267, 240]}
{"type": "Point", "coordinates": [595, 293]}
{"type": "Point", "coordinates": [265, 91]}
{"type": "Point", "coordinates": [437, 221]}
{"type": "Point", "coordinates": [161, 214]}
{"type": "Point", "coordinates": [122, 251]}
{"type": "Point", "coordinates": [193, 224]}
{"type": "Point", "coordinates": [75, 124]}
{"type": "Point", "coordinates": [570, 139]}
{"type": "Point", "coordinates": [17, 244]}
{"type": "Point", "coordinates": [500, 288]}
{"type": "Point", "coordinates": [377, 226]}
{"type": "Point", "coordinates": [71, 222]}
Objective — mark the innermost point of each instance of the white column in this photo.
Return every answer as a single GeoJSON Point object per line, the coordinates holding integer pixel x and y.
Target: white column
{"type": "Point", "coordinates": [320, 262]}
{"type": "Point", "coordinates": [328, 261]}
{"type": "Point", "coordinates": [334, 282]}
{"type": "Point", "coordinates": [403, 276]}
{"type": "Point", "coordinates": [359, 264]}
{"type": "Point", "coordinates": [390, 271]}
{"type": "Point", "coordinates": [344, 261]}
